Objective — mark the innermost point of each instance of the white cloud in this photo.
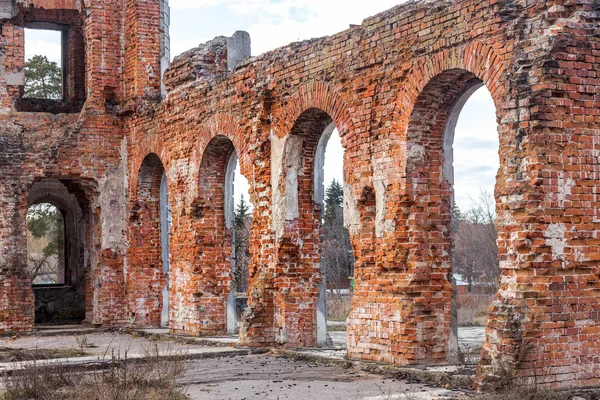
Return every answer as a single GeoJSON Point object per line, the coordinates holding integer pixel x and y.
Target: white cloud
{"type": "Point", "coordinates": [275, 24]}
{"type": "Point", "coordinates": [334, 160]}
{"type": "Point", "coordinates": [190, 4]}
{"type": "Point", "coordinates": [322, 18]}
{"type": "Point", "coordinates": [45, 43]}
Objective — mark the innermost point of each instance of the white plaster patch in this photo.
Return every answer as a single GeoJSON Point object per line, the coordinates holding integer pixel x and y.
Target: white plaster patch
{"type": "Point", "coordinates": [564, 189]}
{"type": "Point", "coordinates": [351, 216]}
{"type": "Point", "coordinates": [113, 202]}
{"type": "Point", "coordinates": [416, 155]}
{"type": "Point", "coordinates": [277, 147]}
{"type": "Point", "coordinates": [293, 166]}
{"type": "Point", "coordinates": [380, 207]}
{"type": "Point", "coordinates": [14, 79]}
{"type": "Point", "coordinates": [555, 238]}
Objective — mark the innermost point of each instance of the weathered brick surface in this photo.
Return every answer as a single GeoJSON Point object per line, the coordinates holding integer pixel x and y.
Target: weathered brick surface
{"type": "Point", "coordinates": [389, 86]}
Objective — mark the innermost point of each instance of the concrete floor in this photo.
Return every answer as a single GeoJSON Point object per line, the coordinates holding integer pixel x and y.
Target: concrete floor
{"type": "Point", "coordinates": [269, 377]}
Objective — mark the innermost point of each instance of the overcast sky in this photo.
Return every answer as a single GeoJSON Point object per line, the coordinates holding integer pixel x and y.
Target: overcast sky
{"type": "Point", "coordinates": [275, 23]}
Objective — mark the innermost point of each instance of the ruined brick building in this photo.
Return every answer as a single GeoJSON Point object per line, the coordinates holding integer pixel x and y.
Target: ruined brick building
{"type": "Point", "coordinates": [124, 146]}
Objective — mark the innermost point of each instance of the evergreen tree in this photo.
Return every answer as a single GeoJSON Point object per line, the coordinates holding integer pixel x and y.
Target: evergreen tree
{"type": "Point", "coordinates": [46, 220]}
{"type": "Point", "coordinates": [243, 220]}
{"type": "Point", "coordinates": [334, 196]}
{"type": "Point", "coordinates": [43, 79]}
{"type": "Point", "coordinates": [240, 212]}
{"type": "Point", "coordinates": [46, 265]}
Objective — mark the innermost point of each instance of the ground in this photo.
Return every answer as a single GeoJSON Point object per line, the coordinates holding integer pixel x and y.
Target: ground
{"type": "Point", "coordinates": [270, 377]}
{"type": "Point", "coordinates": [218, 369]}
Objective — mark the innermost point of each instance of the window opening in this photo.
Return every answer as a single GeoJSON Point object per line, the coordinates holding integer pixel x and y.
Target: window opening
{"type": "Point", "coordinates": [43, 64]}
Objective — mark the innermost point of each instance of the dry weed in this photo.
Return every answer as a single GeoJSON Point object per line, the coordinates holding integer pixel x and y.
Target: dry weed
{"type": "Point", "coordinates": [153, 378]}
{"type": "Point", "coordinates": [472, 309]}
{"type": "Point", "coordinates": [338, 306]}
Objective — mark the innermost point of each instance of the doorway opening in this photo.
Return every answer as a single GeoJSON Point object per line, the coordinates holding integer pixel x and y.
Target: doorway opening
{"type": "Point", "coordinates": [55, 253]}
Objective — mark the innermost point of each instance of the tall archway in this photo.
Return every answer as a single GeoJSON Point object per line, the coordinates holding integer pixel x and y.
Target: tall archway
{"type": "Point", "coordinates": [217, 209]}
{"type": "Point", "coordinates": [429, 183]}
{"type": "Point", "coordinates": [471, 149]}
{"type": "Point", "coordinates": [148, 259]}
{"type": "Point", "coordinates": [304, 312]}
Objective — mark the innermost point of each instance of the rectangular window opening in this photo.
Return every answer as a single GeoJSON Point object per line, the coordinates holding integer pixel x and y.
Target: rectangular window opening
{"type": "Point", "coordinates": [44, 61]}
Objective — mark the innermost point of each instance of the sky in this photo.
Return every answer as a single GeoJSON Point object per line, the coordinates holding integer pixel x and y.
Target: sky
{"type": "Point", "coordinates": [43, 42]}
{"type": "Point", "coordinates": [275, 23]}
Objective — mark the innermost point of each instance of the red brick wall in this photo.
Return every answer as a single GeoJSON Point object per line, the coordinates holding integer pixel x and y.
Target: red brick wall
{"type": "Point", "coordinates": [388, 86]}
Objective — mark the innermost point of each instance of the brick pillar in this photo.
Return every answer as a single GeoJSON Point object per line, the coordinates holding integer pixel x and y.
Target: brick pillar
{"type": "Point", "coordinates": [12, 54]}
{"type": "Point", "coordinates": [545, 322]}
{"type": "Point", "coordinates": [16, 296]}
{"type": "Point", "coordinates": [143, 71]}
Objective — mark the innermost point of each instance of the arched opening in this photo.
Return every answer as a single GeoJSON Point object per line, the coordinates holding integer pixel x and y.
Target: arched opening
{"type": "Point", "coordinates": [238, 219]}
{"type": "Point", "coordinates": [55, 253]}
{"type": "Point", "coordinates": [471, 150]}
{"type": "Point", "coordinates": [314, 173]}
{"type": "Point", "coordinates": [438, 170]}
{"type": "Point", "coordinates": [147, 278]}
{"type": "Point", "coordinates": [224, 218]}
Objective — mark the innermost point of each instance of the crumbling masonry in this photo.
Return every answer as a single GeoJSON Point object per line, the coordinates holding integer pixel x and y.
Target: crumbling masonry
{"type": "Point", "coordinates": [390, 86]}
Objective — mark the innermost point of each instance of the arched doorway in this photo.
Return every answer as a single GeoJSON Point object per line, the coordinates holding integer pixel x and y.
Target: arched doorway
{"type": "Point", "coordinates": [148, 259]}
{"type": "Point", "coordinates": [471, 163]}
{"type": "Point", "coordinates": [56, 252]}
{"type": "Point", "coordinates": [238, 219]}
{"type": "Point", "coordinates": [430, 181]}
{"type": "Point", "coordinates": [221, 224]}
{"type": "Point", "coordinates": [312, 264]}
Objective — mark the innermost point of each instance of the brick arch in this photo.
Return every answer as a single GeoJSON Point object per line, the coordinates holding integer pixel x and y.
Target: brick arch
{"type": "Point", "coordinates": [222, 124]}
{"type": "Point", "coordinates": [152, 144]}
{"type": "Point", "coordinates": [209, 277]}
{"type": "Point", "coordinates": [316, 95]}
{"type": "Point", "coordinates": [478, 58]}
{"type": "Point", "coordinates": [144, 278]}
{"type": "Point", "coordinates": [317, 100]}
{"type": "Point", "coordinates": [306, 122]}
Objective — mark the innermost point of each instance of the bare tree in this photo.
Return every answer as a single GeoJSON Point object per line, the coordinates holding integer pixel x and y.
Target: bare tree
{"type": "Point", "coordinates": [474, 247]}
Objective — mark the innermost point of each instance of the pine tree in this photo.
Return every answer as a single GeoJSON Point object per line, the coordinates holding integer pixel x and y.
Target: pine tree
{"type": "Point", "coordinates": [240, 212]}
{"type": "Point", "coordinates": [43, 79]}
{"type": "Point", "coordinates": [243, 220]}
{"type": "Point", "coordinates": [334, 196]}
